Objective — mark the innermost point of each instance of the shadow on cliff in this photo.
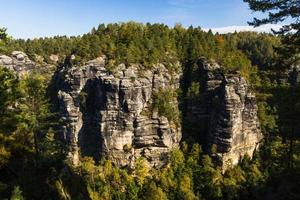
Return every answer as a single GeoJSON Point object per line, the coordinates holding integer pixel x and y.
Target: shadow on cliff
{"type": "Point", "coordinates": [286, 100]}
{"type": "Point", "coordinates": [92, 100]}
{"type": "Point", "coordinates": [193, 129]}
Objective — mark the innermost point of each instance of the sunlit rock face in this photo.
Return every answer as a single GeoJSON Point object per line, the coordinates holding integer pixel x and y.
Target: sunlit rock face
{"type": "Point", "coordinates": [19, 63]}
{"type": "Point", "coordinates": [228, 114]}
{"type": "Point", "coordinates": [109, 113]}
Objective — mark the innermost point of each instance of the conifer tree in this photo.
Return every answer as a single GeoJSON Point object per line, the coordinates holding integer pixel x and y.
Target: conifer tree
{"type": "Point", "coordinates": [281, 11]}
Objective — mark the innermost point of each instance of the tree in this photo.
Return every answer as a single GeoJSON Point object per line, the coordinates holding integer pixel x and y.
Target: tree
{"type": "Point", "coordinates": [35, 119]}
{"type": "Point", "coordinates": [280, 11]}
{"type": "Point", "coordinates": [17, 194]}
{"type": "Point", "coordinates": [154, 193]}
{"type": "Point", "coordinates": [9, 93]}
{"type": "Point", "coordinates": [4, 38]}
{"type": "Point", "coordinates": [3, 34]}
{"type": "Point", "coordinates": [185, 188]}
{"type": "Point", "coordinates": [141, 170]}
{"type": "Point", "coordinates": [88, 166]}
{"type": "Point", "coordinates": [210, 179]}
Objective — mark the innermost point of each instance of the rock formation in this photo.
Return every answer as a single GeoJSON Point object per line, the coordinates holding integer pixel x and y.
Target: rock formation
{"type": "Point", "coordinates": [227, 114]}
{"type": "Point", "coordinates": [20, 64]}
{"type": "Point", "coordinates": [110, 113]}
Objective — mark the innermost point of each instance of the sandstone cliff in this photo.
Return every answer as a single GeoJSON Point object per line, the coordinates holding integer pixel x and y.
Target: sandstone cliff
{"type": "Point", "coordinates": [21, 65]}
{"type": "Point", "coordinates": [111, 114]}
{"type": "Point", "coordinates": [227, 114]}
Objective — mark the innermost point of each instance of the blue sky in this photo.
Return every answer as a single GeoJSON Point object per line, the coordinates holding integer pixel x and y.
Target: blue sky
{"type": "Point", "coordinates": [40, 18]}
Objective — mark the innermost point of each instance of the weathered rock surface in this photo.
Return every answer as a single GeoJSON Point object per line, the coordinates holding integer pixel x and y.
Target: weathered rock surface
{"type": "Point", "coordinates": [110, 113]}
{"type": "Point", "coordinates": [54, 58]}
{"type": "Point", "coordinates": [17, 62]}
{"type": "Point", "coordinates": [228, 114]}
{"type": "Point", "coordinates": [20, 64]}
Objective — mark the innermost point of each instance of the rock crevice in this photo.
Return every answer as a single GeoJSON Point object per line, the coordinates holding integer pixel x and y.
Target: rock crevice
{"type": "Point", "coordinates": [104, 113]}
{"type": "Point", "coordinates": [111, 114]}
{"type": "Point", "coordinates": [229, 111]}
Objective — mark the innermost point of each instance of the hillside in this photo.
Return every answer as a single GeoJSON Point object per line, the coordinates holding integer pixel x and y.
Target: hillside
{"type": "Point", "coordinates": [146, 111]}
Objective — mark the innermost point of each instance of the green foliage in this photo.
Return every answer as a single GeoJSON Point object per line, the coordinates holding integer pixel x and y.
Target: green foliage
{"type": "Point", "coordinates": [31, 155]}
{"type": "Point", "coordinates": [281, 11]}
{"type": "Point", "coordinates": [29, 148]}
{"type": "Point", "coordinates": [146, 44]}
{"type": "Point", "coordinates": [163, 102]}
{"type": "Point", "coordinates": [9, 93]}
{"type": "Point", "coordinates": [259, 48]}
{"type": "Point", "coordinates": [17, 194]}
{"type": "Point", "coordinates": [141, 170]}
{"type": "Point", "coordinates": [189, 175]}
{"type": "Point", "coordinates": [155, 193]}
{"type": "Point", "coordinates": [34, 118]}
{"type": "Point", "coordinates": [194, 92]}
{"type": "Point", "coordinates": [4, 38]}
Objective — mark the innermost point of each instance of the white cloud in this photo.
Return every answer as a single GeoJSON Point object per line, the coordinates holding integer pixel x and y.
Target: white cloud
{"type": "Point", "coordinates": [230, 29]}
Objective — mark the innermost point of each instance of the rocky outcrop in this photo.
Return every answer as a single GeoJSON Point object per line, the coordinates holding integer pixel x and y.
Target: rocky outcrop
{"type": "Point", "coordinates": [110, 113]}
{"type": "Point", "coordinates": [227, 113]}
{"type": "Point", "coordinates": [21, 65]}
{"type": "Point", "coordinates": [17, 62]}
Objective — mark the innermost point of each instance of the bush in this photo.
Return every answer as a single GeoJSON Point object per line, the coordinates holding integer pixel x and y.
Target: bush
{"type": "Point", "coordinates": [163, 101]}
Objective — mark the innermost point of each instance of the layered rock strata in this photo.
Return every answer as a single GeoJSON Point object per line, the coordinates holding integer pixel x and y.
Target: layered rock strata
{"type": "Point", "coordinates": [227, 113]}
{"type": "Point", "coordinates": [110, 113]}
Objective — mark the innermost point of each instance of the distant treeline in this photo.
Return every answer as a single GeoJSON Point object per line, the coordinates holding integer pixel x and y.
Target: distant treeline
{"type": "Point", "coordinates": [148, 44]}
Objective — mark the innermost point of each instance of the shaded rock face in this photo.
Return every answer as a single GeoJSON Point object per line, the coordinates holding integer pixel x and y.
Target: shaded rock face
{"type": "Point", "coordinates": [110, 113]}
{"type": "Point", "coordinates": [294, 75]}
{"type": "Point", "coordinates": [227, 114]}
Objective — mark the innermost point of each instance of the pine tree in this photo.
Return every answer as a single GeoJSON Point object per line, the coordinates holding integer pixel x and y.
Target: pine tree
{"type": "Point", "coordinates": [35, 119]}
{"type": "Point", "coordinates": [3, 40]}
{"type": "Point", "coordinates": [279, 11]}
{"type": "Point", "coordinates": [9, 93]}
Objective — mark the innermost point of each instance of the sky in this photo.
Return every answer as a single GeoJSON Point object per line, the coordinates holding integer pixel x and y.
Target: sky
{"type": "Point", "coordinates": [44, 18]}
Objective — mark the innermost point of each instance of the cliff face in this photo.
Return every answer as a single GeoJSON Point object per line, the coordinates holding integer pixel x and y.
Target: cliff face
{"type": "Point", "coordinates": [111, 114]}
{"type": "Point", "coordinates": [227, 113]}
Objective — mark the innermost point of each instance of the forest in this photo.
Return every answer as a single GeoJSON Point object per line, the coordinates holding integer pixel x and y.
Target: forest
{"type": "Point", "coordinates": [32, 158]}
